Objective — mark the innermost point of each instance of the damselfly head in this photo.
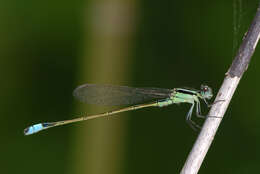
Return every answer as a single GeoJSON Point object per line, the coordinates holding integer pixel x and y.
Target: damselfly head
{"type": "Point", "coordinates": [206, 92]}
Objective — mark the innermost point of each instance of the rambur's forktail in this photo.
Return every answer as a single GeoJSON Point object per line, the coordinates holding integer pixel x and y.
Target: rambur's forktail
{"type": "Point", "coordinates": [124, 95]}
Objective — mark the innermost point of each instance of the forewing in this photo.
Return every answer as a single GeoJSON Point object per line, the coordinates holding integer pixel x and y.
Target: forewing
{"type": "Point", "coordinates": [118, 95]}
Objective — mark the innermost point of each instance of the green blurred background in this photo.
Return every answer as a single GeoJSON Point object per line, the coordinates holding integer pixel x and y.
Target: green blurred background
{"type": "Point", "coordinates": [47, 48]}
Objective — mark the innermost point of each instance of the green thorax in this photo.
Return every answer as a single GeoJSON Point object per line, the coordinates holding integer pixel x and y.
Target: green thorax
{"type": "Point", "coordinates": [180, 95]}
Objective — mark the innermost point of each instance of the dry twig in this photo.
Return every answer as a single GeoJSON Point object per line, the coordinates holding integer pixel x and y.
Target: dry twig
{"type": "Point", "coordinates": [231, 81]}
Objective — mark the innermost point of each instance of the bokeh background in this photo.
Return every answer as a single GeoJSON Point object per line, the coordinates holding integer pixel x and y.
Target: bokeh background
{"type": "Point", "coordinates": [47, 48]}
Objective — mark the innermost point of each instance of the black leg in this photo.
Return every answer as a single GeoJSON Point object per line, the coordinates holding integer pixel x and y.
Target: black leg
{"type": "Point", "coordinates": [198, 110]}
{"type": "Point", "coordinates": [209, 105]}
{"type": "Point", "coordinates": [192, 124]}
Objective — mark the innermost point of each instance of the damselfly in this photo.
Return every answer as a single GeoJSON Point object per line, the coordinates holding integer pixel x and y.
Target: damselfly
{"type": "Point", "coordinates": [137, 98]}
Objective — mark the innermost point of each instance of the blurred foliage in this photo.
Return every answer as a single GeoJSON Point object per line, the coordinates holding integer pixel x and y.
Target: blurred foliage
{"type": "Point", "coordinates": [176, 43]}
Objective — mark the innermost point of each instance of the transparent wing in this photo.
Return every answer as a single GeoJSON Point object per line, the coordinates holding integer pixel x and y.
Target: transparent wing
{"type": "Point", "coordinates": [118, 95]}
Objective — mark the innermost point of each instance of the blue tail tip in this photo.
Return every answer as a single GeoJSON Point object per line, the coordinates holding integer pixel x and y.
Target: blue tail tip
{"type": "Point", "coordinates": [33, 129]}
{"type": "Point", "coordinates": [37, 127]}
